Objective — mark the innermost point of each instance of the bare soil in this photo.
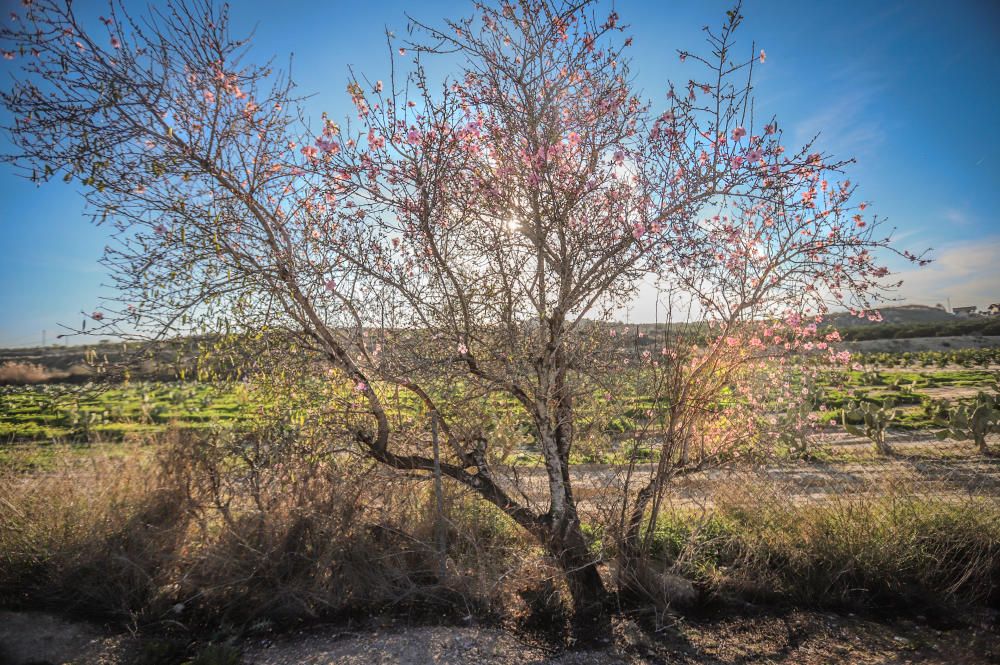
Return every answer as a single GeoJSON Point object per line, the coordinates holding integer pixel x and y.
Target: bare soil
{"type": "Point", "coordinates": [795, 637]}
{"type": "Point", "coordinates": [923, 465]}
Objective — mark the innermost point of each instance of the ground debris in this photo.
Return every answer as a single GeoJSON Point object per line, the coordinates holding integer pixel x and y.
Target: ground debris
{"type": "Point", "coordinates": [799, 637]}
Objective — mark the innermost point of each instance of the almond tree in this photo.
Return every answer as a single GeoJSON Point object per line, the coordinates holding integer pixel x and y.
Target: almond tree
{"type": "Point", "coordinates": [457, 239]}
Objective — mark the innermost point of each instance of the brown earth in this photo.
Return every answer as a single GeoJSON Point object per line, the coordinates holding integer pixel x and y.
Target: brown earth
{"type": "Point", "coordinates": [924, 466]}
{"type": "Point", "coordinates": [796, 637]}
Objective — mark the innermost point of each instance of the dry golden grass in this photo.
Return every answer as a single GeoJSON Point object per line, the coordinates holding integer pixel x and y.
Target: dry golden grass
{"type": "Point", "coordinates": [238, 529]}
{"type": "Point", "coordinates": [16, 373]}
{"type": "Point", "coordinates": [239, 532]}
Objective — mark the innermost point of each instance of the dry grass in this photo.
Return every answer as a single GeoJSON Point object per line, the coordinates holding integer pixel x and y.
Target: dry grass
{"type": "Point", "coordinates": [238, 530]}
{"type": "Point", "coordinates": [244, 529]}
{"type": "Point", "coordinates": [19, 374]}
{"type": "Point", "coordinates": [880, 548]}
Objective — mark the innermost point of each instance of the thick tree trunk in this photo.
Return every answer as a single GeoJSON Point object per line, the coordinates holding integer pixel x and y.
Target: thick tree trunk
{"type": "Point", "coordinates": [568, 547]}
{"type": "Point", "coordinates": [562, 538]}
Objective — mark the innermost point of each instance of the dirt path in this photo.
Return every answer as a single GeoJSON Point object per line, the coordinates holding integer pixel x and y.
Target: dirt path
{"type": "Point", "coordinates": [796, 637]}
{"type": "Point", "coordinates": [598, 485]}
{"type": "Point", "coordinates": [802, 638]}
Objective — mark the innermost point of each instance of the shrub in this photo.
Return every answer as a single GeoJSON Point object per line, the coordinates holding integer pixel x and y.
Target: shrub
{"type": "Point", "coordinates": [230, 528]}
{"type": "Point", "coordinates": [891, 551]}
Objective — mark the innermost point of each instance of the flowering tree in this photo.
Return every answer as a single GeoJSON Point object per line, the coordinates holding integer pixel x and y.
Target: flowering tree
{"type": "Point", "coordinates": [456, 241]}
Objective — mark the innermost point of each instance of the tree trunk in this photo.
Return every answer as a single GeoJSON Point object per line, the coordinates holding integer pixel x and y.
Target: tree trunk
{"type": "Point", "coordinates": [568, 547]}
{"type": "Point", "coordinates": [630, 555]}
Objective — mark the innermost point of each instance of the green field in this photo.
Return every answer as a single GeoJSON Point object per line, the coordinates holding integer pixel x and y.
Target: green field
{"type": "Point", "coordinates": [56, 417]}
{"type": "Point", "coordinates": [915, 392]}
{"type": "Point", "coordinates": [68, 412]}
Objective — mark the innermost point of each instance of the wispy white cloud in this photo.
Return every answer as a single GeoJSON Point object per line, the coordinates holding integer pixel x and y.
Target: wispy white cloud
{"type": "Point", "coordinates": [845, 125]}
{"type": "Point", "coordinates": [956, 216]}
{"type": "Point", "coordinates": [967, 272]}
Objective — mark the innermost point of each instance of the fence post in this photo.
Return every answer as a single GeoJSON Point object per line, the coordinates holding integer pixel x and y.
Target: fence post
{"type": "Point", "coordinates": [439, 497]}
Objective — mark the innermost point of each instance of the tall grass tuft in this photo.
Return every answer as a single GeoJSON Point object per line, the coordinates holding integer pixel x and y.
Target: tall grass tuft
{"type": "Point", "coordinates": [239, 528]}
{"type": "Point", "coordinates": [262, 528]}
{"type": "Point", "coordinates": [894, 550]}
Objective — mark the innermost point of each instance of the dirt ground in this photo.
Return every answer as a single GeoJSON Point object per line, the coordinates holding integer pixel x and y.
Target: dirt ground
{"type": "Point", "coordinates": [924, 467]}
{"type": "Point", "coordinates": [799, 637]}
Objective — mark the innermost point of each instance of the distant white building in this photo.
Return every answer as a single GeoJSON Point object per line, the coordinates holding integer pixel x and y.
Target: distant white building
{"type": "Point", "coordinates": [994, 309]}
{"type": "Point", "coordinates": [964, 311]}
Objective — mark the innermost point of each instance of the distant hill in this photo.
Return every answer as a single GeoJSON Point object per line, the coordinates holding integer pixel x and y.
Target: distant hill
{"type": "Point", "coordinates": [901, 315]}
{"type": "Point", "coordinates": [911, 322]}
{"type": "Point", "coordinates": [163, 360]}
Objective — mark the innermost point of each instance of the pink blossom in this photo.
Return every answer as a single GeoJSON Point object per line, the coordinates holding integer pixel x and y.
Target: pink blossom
{"type": "Point", "coordinates": [413, 137]}
{"type": "Point", "coordinates": [328, 146]}
{"type": "Point", "coordinates": [755, 155]}
{"type": "Point", "coordinates": [763, 56]}
{"type": "Point", "coordinates": [402, 51]}
{"type": "Point", "coordinates": [375, 140]}
{"type": "Point", "coordinates": [8, 55]}
{"type": "Point", "coordinates": [160, 229]}
{"type": "Point", "coordinates": [97, 316]}
{"type": "Point", "coordinates": [330, 285]}
{"type": "Point", "coordinates": [310, 151]}
{"type": "Point", "coordinates": [115, 43]}
{"type": "Point", "coordinates": [739, 133]}
{"type": "Point", "coordinates": [462, 349]}
{"type": "Point", "coordinates": [209, 96]}
{"type": "Point", "coordinates": [638, 230]}
{"type": "Point", "coordinates": [378, 86]}
{"type": "Point", "coordinates": [360, 387]}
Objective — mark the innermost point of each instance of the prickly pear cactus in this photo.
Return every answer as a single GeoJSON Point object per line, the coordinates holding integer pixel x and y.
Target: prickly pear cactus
{"type": "Point", "coordinates": [974, 421]}
{"type": "Point", "coordinates": [874, 421]}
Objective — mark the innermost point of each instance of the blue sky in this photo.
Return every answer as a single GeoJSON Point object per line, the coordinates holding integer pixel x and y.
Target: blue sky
{"type": "Point", "coordinates": [910, 88]}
